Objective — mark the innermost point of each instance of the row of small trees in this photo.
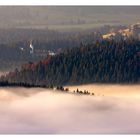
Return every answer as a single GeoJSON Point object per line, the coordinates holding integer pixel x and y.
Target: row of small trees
{"type": "Point", "coordinates": [85, 92]}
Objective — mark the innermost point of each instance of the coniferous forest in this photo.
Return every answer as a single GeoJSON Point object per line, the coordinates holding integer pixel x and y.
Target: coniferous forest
{"type": "Point", "coordinates": [106, 61]}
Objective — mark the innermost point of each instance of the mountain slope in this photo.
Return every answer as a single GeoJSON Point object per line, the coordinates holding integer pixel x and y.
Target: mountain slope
{"type": "Point", "coordinates": [42, 16]}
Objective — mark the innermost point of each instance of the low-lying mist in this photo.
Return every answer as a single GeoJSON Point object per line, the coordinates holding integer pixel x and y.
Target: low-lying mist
{"type": "Point", "coordinates": [42, 111]}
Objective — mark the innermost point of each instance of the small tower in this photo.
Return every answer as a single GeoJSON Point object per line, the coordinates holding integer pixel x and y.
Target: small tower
{"type": "Point", "coordinates": [31, 47]}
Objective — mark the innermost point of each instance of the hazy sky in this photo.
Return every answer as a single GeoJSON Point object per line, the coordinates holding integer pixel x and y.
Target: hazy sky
{"type": "Point", "coordinates": [11, 16]}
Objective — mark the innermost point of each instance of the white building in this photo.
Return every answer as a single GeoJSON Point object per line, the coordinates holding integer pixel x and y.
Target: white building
{"type": "Point", "coordinates": [135, 29]}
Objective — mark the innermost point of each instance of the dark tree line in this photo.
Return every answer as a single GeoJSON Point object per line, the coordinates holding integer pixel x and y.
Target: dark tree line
{"type": "Point", "coordinates": [101, 62]}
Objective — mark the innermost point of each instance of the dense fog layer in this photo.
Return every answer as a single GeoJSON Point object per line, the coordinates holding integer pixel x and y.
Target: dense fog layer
{"type": "Point", "coordinates": [41, 111]}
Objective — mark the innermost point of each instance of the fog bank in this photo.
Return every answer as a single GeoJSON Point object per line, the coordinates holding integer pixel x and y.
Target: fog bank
{"type": "Point", "coordinates": [41, 111]}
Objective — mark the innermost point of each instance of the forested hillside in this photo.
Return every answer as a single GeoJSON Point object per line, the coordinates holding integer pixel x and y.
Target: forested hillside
{"type": "Point", "coordinates": [100, 62]}
{"type": "Point", "coordinates": [15, 50]}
